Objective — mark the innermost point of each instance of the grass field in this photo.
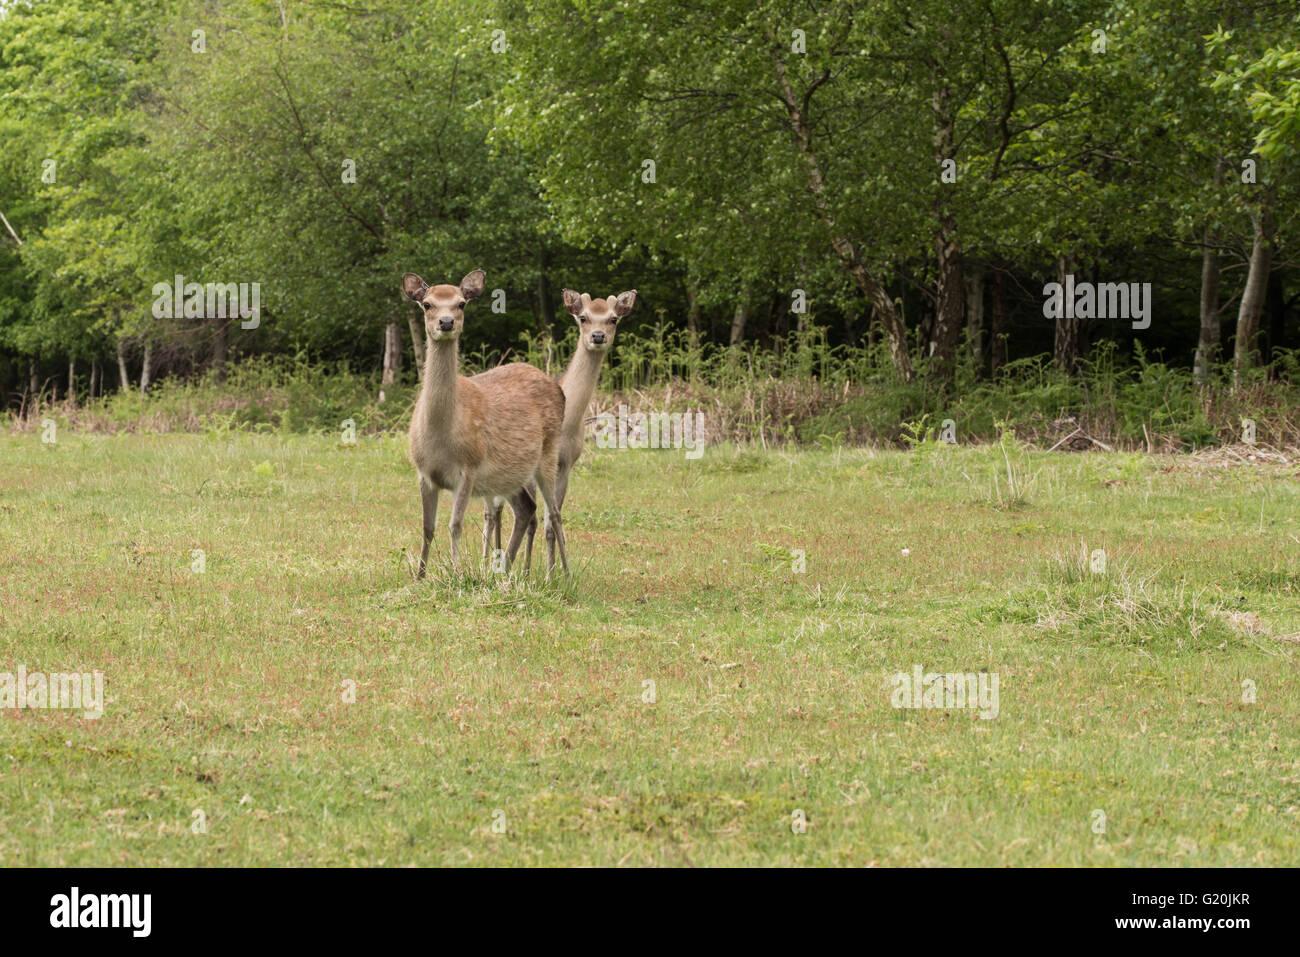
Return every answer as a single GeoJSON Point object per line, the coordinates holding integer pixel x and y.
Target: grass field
{"type": "Point", "coordinates": [498, 723]}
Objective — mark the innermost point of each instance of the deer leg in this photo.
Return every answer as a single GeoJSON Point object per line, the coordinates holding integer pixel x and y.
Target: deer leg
{"type": "Point", "coordinates": [561, 486]}
{"type": "Point", "coordinates": [429, 506]}
{"type": "Point", "coordinates": [491, 526]}
{"type": "Point", "coordinates": [525, 509]}
{"type": "Point", "coordinates": [458, 505]}
{"type": "Point", "coordinates": [487, 528]}
{"type": "Point", "coordinates": [546, 484]}
{"type": "Point", "coordinates": [561, 489]}
{"type": "Point", "coordinates": [530, 490]}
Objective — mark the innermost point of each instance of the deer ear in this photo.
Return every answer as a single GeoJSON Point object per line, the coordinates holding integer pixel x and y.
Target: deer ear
{"type": "Point", "coordinates": [624, 303]}
{"type": "Point", "coordinates": [471, 287]}
{"type": "Point", "coordinates": [414, 287]}
{"type": "Point", "coordinates": [572, 302]}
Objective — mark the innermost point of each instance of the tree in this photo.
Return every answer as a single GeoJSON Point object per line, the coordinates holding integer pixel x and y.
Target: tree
{"type": "Point", "coordinates": [1273, 105]}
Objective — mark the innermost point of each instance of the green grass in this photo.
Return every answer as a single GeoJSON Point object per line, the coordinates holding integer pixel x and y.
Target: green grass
{"type": "Point", "coordinates": [1119, 692]}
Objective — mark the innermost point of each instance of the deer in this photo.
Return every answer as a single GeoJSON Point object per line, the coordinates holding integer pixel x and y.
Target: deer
{"type": "Point", "coordinates": [496, 434]}
{"type": "Point", "coordinates": [597, 322]}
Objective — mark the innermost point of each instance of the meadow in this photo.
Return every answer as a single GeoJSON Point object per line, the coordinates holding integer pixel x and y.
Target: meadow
{"type": "Point", "coordinates": [712, 687]}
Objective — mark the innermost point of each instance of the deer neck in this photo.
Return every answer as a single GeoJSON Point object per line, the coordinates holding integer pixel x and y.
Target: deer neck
{"type": "Point", "coordinates": [579, 384]}
{"type": "Point", "coordinates": [437, 405]}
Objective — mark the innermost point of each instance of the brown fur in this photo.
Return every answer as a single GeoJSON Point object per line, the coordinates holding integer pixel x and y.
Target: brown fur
{"type": "Point", "coordinates": [490, 435]}
{"type": "Point", "coordinates": [597, 319]}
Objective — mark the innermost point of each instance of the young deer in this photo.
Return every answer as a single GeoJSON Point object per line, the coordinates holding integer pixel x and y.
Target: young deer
{"type": "Point", "coordinates": [490, 435]}
{"type": "Point", "coordinates": [597, 323]}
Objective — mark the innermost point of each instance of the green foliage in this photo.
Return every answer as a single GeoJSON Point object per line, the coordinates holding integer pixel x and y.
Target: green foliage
{"type": "Point", "coordinates": [1270, 85]}
{"type": "Point", "coordinates": [321, 150]}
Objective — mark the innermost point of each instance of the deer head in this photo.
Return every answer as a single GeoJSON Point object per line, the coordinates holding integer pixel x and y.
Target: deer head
{"type": "Point", "coordinates": [598, 318]}
{"type": "Point", "coordinates": [443, 305]}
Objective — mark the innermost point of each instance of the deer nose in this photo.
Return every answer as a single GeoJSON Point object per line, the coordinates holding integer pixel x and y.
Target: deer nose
{"type": "Point", "coordinates": [446, 325]}
{"type": "Point", "coordinates": [598, 338]}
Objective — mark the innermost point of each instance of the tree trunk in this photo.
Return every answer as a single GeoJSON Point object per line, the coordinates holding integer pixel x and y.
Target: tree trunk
{"type": "Point", "coordinates": [1246, 348]}
{"type": "Point", "coordinates": [123, 379]}
{"type": "Point", "coordinates": [950, 305]}
{"type": "Point", "coordinates": [146, 367]}
{"type": "Point", "coordinates": [417, 341]}
{"type": "Point", "coordinates": [1207, 344]}
{"type": "Point", "coordinates": [778, 322]}
{"type": "Point", "coordinates": [96, 371]}
{"type": "Point", "coordinates": [545, 303]}
{"type": "Point", "coordinates": [740, 318]}
{"type": "Point", "coordinates": [1065, 347]}
{"type": "Point", "coordinates": [950, 300]}
{"type": "Point", "coordinates": [72, 381]}
{"type": "Point", "coordinates": [33, 383]}
{"type": "Point", "coordinates": [847, 253]}
{"type": "Point", "coordinates": [998, 328]}
{"type": "Point", "coordinates": [392, 353]}
{"type": "Point", "coordinates": [975, 317]}
{"type": "Point", "coordinates": [220, 349]}
{"type": "Point", "coordinates": [1209, 338]}
{"type": "Point", "coordinates": [692, 308]}
{"type": "Point", "coordinates": [891, 323]}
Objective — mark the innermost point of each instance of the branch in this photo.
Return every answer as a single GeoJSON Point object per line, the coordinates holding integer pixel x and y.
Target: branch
{"type": "Point", "coordinates": [11, 230]}
{"type": "Point", "coordinates": [330, 185]}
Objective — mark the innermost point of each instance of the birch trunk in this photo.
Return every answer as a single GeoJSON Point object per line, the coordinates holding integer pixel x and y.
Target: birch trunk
{"type": "Point", "coordinates": [124, 381]}
{"type": "Point", "coordinates": [146, 368]}
{"type": "Point", "coordinates": [392, 353]}
{"type": "Point", "coordinates": [1207, 343]}
{"type": "Point", "coordinates": [1246, 348]}
{"type": "Point", "coordinates": [740, 318]}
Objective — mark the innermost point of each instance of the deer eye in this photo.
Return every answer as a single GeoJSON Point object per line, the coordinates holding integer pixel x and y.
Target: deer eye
{"type": "Point", "coordinates": [461, 304]}
{"type": "Point", "coordinates": [583, 320]}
